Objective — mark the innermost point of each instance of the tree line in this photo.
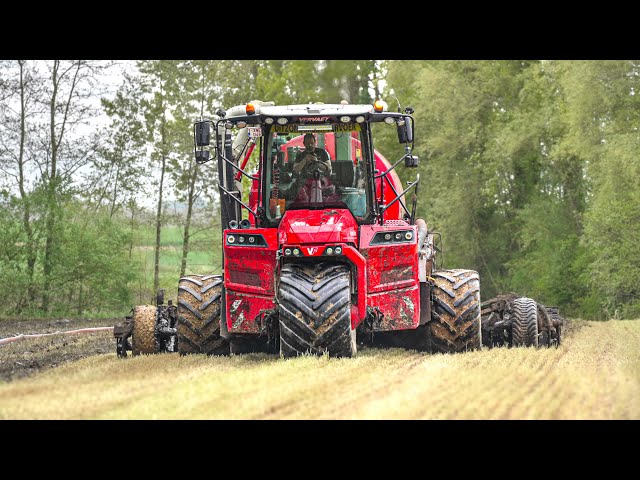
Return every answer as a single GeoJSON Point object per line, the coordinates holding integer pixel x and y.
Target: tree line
{"type": "Point", "coordinates": [529, 170]}
{"type": "Point", "coordinates": [532, 175]}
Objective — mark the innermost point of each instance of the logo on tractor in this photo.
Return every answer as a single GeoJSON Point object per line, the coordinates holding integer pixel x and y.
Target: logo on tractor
{"type": "Point", "coordinates": [314, 119]}
{"type": "Point", "coordinates": [312, 250]}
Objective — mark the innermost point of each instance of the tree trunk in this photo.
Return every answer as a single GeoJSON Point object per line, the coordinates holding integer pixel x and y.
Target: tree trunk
{"type": "Point", "coordinates": [51, 194]}
{"type": "Point", "coordinates": [114, 197]}
{"type": "Point", "coordinates": [80, 306]}
{"type": "Point", "coordinates": [156, 269]}
{"type": "Point", "coordinates": [26, 207]}
{"type": "Point", "coordinates": [187, 224]}
{"type": "Point", "coordinates": [133, 214]}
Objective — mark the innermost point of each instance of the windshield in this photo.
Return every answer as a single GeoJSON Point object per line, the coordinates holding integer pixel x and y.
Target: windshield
{"type": "Point", "coordinates": [315, 169]}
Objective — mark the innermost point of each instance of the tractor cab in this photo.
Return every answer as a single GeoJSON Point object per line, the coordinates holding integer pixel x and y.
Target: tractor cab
{"type": "Point", "coordinates": [317, 170]}
{"type": "Point", "coordinates": [310, 157]}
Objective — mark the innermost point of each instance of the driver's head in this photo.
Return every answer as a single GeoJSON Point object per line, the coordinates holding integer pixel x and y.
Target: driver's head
{"type": "Point", "coordinates": [309, 142]}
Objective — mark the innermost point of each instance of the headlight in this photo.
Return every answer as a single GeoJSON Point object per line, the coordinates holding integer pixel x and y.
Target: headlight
{"type": "Point", "coordinates": [244, 240]}
{"type": "Point", "coordinates": [382, 238]}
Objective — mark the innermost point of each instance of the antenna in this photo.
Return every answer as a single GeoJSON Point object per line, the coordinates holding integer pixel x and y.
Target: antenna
{"type": "Point", "coordinates": [399, 107]}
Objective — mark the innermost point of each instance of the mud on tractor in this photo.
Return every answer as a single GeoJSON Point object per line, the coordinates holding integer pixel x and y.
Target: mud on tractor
{"type": "Point", "coordinates": [322, 252]}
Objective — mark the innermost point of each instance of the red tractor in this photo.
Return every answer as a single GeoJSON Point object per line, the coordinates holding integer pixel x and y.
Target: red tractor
{"type": "Point", "coordinates": [321, 253]}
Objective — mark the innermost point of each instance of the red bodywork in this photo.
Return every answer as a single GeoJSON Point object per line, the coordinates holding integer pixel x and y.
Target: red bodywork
{"type": "Point", "coordinates": [385, 276]}
{"type": "Point", "coordinates": [249, 280]}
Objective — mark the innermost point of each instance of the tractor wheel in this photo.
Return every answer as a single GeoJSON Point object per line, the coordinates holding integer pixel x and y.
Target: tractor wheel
{"type": "Point", "coordinates": [315, 310]}
{"type": "Point", "coordinates": [143, 337]}
{"type": "Point", "coordinates": [455, 314]}
{"type": "Point", "coordinates": [198, 329]}
{"type": "Point", "coordinates": [524, 324]}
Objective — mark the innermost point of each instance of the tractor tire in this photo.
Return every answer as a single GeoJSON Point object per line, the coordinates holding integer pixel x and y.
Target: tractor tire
{"type": "Point", "coordinates": [524, 323]}
{"type": "Point", "coordinates": [315, 310]}
{"type": "Point", "coordinates": [143, 337]}
{"type": "Point", "coordinates": [455, 324]}
{"type": "Point", "coordinates": [198, 327]}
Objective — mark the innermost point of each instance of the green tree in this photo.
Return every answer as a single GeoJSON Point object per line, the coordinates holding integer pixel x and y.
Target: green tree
{"type": "Point", "coordinates": [159, 87]}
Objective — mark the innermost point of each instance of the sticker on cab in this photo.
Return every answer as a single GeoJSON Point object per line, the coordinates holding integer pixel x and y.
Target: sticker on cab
{"type": "Point", "coordinates": [285, 128]}
{"type": "Point", "coordinates": [346, 127]}
{"type": "Point", "coordinates": [255, 132]}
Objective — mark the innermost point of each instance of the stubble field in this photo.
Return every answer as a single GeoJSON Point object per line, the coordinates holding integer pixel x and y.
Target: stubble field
{"type": "Point", "coordinates": [594, 374]}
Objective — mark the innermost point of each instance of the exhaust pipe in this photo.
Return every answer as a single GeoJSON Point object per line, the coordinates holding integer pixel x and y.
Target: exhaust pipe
{"type": "Point", "coordinates": [422, 234]}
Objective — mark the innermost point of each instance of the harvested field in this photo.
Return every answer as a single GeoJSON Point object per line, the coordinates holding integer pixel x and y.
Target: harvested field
{"type": "Point", "coordinates": [594, 374]}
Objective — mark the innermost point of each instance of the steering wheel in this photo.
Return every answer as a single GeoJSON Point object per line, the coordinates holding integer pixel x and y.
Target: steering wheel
{"type": "Point", "coordinates": [315, 163]}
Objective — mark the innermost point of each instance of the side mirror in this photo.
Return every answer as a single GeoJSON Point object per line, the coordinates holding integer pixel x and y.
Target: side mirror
{"type": "Point", "coordinates": [202, 156]}
{"type": "Point", "coordinates": [202, 134]}
{"type": "Point", "coordinates": [405, 132]}
{"type": "Point", "coordinates": [411, 161]}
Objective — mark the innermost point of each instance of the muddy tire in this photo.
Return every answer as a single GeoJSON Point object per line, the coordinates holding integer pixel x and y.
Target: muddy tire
{"type": "Point", "coordinates": [315, 310]}
{"type": "Point", "coordinates": [455, 314]}
{"type": "Point", "coordinates": [143, 337]}
{"type": "Point", "coordinates": [198, 327]}
{"type": "Point", "coordinates": [524, 323]}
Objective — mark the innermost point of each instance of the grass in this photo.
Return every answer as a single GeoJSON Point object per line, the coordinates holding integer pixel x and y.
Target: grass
{"type": "Point", "coordinates": [595, 374]}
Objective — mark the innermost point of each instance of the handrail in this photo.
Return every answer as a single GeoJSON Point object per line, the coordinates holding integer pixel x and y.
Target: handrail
{"type": "Point", "coordinates": [238, 200]}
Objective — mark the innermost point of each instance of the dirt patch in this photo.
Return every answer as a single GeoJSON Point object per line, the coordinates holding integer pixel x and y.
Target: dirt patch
{"type": "Point", "coordinates": [24, 358]}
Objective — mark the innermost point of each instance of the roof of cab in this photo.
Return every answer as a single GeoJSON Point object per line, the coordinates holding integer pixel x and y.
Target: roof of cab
{"type": "Point", "coordinates": [311, 109]}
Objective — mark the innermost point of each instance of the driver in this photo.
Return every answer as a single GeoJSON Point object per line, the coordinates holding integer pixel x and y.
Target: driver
{"type": "Point", "coordinates": [312, 157]}
{"type": "Point", "coordinates": [311, 168]}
